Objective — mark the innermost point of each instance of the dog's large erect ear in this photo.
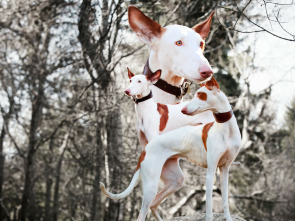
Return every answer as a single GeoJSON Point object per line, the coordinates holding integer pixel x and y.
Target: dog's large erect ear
{"type": "Point", "coordinates": [130, 74]}
{"type": "Point", "coordinates": [203, 28]}
{"type": "Point", "coordinates": [154, 77]}
{"type": "Point", "coordinates": [145, 28]}
{"type": "Point", "coordinates": [211, 84]}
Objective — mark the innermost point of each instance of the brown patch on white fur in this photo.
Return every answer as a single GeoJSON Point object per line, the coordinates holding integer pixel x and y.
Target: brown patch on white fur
{"type": "Point", "coordinates": [210, 84]}
{"type": "Point", "coordinates": [202, 96]}
{"type": "Point", "coordinates": [205, 130]}
{"type": "Point", "coordinates": [175, 80]}
{"type": "Point", "coordinates": [163, 111]}
{"type": "Point", "coordinates": [141, 158]}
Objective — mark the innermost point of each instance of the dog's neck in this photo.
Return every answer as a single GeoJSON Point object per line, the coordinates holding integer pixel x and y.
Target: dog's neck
{"type": "Point", "coordinates": [143, 94]}
{"type": "Point", "coordinates": [222, 108]}
{"type": "Point", "coordinates": [223, 117]}
{"type": "Point", "coordinates": [161, 96]}
{"type": "Point", "coordinates": [225, 120]}
{"type": "Point", "coordinates": [167, 73]}
{"type": "Point", "coordinates": [144, 104]}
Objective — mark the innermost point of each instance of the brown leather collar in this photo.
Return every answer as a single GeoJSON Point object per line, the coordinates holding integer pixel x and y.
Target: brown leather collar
{"type": "Point", "coordinates": [163, 85]}
{"type": "Point", "coordinates": [179, 92]}
{"type": "Point", "coordinates": [150, 95]}
{"type": "Point", "coordinates": [223, 117]}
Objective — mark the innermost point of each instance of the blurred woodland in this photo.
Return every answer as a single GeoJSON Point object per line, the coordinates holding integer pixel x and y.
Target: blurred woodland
{"type": "Point", "coordinates": [66, 125]}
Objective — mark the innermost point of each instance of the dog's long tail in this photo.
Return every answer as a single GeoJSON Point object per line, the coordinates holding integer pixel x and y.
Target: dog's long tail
{"type": "Point", "coordinates": [126, 192]}
{"type": "Point", "coordinates": [132, 184]}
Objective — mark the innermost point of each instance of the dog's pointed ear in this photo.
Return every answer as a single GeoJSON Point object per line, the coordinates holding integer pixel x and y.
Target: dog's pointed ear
{"type": "Point", "coordinates": [212, 84]}
{"type": "Point", "coordinates": [145, 28]}
{"type": "Point", "coordinates": [203, 28]}
{"type": "Point", "coordinates": [154, 77]}
{"type": "Point", "coordinates": [130, 74]}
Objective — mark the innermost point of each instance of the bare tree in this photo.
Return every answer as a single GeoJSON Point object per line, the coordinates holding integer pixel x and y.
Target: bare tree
{"type": "Point", "coordinates": [99, 43]}
{"type": "Point", "coordinates": [65, 124]}
{"type": "Point", "coordinates": [272, 12]}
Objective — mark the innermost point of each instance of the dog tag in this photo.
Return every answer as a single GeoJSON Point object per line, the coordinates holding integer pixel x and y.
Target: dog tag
{"type": "Point", "coordinates": [188, 89]}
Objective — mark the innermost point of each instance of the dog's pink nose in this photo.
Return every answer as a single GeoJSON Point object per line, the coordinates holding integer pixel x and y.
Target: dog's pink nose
{"type": "Point", "coordinates": [184, 110]}
{"type": "Point", "coordinates": [127, 92]}
{"type": "Point", "coordinates": [205, 71]}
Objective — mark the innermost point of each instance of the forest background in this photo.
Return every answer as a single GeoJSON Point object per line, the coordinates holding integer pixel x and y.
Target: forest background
{"type": "Point", "coordinates": [65, 124]}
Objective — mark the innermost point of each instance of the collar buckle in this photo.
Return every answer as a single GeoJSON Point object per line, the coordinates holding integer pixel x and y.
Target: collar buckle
{"type": "Point", "coordinates": [184, 88]}
{"type": "Point", "coordinates": [134, 98]}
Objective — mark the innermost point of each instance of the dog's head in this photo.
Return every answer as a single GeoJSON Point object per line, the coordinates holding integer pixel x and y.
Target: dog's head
{"type": "Point", "coordinates": [178, 49]}
{"type": "Point", "coordinates": [140, 84]}
{"type": "Point", "coordinates": [208, 97]}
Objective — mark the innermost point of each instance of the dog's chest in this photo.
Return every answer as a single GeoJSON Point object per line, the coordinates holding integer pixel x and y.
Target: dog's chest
{"type": "Point", "coordinates": [148, 120]}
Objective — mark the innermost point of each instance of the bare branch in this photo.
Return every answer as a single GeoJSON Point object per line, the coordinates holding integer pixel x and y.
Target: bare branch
{"type": "Point", "coordinates": [261, 28]}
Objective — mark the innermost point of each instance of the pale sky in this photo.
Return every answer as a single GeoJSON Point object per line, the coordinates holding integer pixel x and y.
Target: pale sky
{"type": "Point", "coordinates": [276, 57]}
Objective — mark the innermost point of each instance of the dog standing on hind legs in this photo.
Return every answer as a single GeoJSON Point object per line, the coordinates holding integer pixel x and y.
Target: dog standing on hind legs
{"type": "Point", "coordinates": [212, 145]}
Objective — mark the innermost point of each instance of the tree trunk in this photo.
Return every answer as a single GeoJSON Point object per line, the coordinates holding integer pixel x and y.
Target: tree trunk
{"type": "Point", "coordinates": [97, 64]}
{"type": "Point", "coordinates": [114, 142]}
{"type": "Point", "coordinates": [2, 158]}
{"type": "Point", "coordinates": [96, 209]}
{"type": "Point", "coordinates": [6, 119]}
{"type": "Point", "coordinates": [57, 178]}
{"type": "Point", "coordinates": [27, 199]}
{"type": "Point", "coordinates": [47, 216]}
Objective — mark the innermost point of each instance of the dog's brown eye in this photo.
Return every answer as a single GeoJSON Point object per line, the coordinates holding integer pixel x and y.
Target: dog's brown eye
{"type": "Point", "coordinates": [202, 44]}
{"type": "Point", "coordinates": [178, 43]}
{"type": "Point", "coordinates": [139, 81]}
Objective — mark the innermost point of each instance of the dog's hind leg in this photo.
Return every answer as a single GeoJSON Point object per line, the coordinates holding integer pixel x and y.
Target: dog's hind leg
{"type": "Point", "coordinates": [150, 173]}
{"type": "Point", "coordinates": [173, 179]}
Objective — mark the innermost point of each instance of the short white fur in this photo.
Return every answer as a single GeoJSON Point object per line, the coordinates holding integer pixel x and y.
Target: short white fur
{"type": "Point", "coordinates": [223, 145]}
{"type": "Point", "coordinates": [148, 117]}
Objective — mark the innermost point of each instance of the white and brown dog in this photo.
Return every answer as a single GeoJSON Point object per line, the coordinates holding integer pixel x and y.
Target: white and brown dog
{"type": "Point", "coordinates": [154, 118]}
{"type": "Point", "coordinates": [178, 52]}
{"type": "Point", "coordinates": [211, 145]}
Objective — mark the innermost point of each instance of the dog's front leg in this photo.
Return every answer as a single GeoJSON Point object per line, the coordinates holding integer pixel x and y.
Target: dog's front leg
{"type": "Point", "coordinates": [224, 190]}
{"type": "Point", "coordinates": [209, 189]}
